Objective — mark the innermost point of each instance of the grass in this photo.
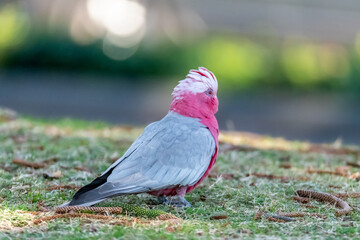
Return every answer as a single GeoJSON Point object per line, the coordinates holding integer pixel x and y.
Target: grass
{"type": "Point", "coordinates": [231, 190]}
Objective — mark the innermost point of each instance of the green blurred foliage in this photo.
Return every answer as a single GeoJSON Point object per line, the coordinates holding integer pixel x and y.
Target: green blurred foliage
{"type": "Point", "coordinates": [308, 64]}
{"type": "Point", "coordinates": [239, 62]}
{"type": "Point", "coordinates": [14, 26]}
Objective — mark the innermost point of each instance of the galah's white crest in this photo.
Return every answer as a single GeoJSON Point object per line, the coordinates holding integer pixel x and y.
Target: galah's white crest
{"type": "Point", "coordinates": [173, 155]}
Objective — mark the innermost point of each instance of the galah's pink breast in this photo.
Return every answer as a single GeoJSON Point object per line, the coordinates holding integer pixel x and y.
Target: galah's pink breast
{"type": "Point", "coordinates": [212, 124]}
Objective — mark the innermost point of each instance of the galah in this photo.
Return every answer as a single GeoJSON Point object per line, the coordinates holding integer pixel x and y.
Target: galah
{"type": "Point", "coordinates": [173, 155]}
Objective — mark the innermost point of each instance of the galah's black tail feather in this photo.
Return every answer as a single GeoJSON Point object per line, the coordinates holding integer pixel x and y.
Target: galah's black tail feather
{"type": "Point", "coordinates": [91, 186]}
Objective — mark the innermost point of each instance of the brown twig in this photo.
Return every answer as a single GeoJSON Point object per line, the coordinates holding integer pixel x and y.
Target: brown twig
{"type": "Point", "coordinates": [272, 217]}
{"type": "Point", "coordinates": [300, 214]}
{"type": "Point", "coordinates": [285, 216]}
{"type": "Point", "coordinates": [278, 218]}
{"type": "Point", "coordinates": [22, 162]}
{"type": "Point", "coordinates": [319, 171]}
{"type": "Point", "coordinates": [51, 160]}
{"type": "Point", "coordinates": [111, 210]}
{"type": "Point", "coordinates": [339, 171]}
{"type": "Point", "coordinates": [346, 195]}
{"type": "Point", "coordinates": [353, 164]}
{"type": "Point", "coordinates": [325, 197]}
{"type": "Point", "coordinates": [270, 176]}
{"type": "Point", "coordinates": [218, 217]}
{"type": "Point", "coordinates": [83, 169]}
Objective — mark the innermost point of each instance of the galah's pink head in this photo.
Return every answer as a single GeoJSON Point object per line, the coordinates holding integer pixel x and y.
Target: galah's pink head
{"type": "Point", "coordinates": [195, 96]}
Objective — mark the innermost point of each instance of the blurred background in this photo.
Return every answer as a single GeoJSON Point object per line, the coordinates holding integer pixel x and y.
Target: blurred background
{"type": "Point", "coordinates": [285, 68]}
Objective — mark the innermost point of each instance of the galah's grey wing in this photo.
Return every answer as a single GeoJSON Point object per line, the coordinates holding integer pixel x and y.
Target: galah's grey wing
{"type": "Point", "coordinates": [175, 151]}
{"type": "Point", "coordinates": [81, 196]}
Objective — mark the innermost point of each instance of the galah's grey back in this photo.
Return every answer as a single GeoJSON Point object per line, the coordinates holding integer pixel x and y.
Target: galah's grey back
{"type": "Point", "coordinates": [175, 151]}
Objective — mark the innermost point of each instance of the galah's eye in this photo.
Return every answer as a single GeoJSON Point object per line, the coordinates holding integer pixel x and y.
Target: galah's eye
{"type": "Point", "coordinates": [209, 92]}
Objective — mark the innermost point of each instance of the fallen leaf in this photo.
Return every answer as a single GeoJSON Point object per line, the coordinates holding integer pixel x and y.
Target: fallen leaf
{"type": "Point", "coordinates": [343, 170]}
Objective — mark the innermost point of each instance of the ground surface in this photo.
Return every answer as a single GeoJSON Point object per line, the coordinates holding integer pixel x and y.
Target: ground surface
{"type": "Point", "coordinates": [262, 174]}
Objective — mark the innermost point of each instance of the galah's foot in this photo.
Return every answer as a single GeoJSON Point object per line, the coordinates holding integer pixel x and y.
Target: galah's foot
{"type": "Point", "coordinates": [163, 200]}
{"type": "Point", "coordinates": [179, 201]}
